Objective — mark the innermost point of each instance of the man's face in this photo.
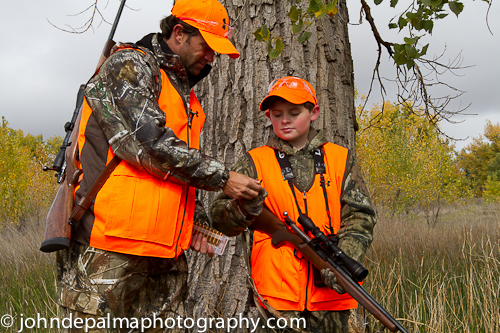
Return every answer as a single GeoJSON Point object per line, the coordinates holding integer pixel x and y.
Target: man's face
{"type": "Point", "coordinates": [291, 121]}
{"type": "Point", "coordinates": [195, 53]}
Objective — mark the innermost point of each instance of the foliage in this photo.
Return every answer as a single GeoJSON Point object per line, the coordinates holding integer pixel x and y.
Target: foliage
{"type": "Point", "coordinates": [263, 34]}
{"type": "Point", "coordinates": [406, 163]}
{"type": "Point", "coordinates": [419, 17]}
{"type": "Point", "coordinates": [418, 78]}
{"type": "Point", "coordinates": [492, 189]}
{"type": "Point", "coordinates": [301, 21]}
{"type": "Point", "coordinates": [480, 161]}
{"type": "Point", "coordinates": [25, 190]}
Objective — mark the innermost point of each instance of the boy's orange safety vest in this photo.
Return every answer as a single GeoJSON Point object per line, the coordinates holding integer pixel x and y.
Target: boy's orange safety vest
{"type": "Point", "coordinates": [137, 213]}
{"type": "Point", "coordinates": [283, 277]}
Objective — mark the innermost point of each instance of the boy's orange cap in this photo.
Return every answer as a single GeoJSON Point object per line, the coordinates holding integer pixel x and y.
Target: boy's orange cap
{"type": "Point", "coordinates": [211, 19]}
{"type": "Point", "coordinates": [291, 88]}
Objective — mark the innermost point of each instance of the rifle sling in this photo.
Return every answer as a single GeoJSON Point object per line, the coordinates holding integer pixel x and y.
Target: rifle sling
{"type": "Point", "coordinates": [85, 202]}
{"type": "Point", "coordinates": [319, 168]}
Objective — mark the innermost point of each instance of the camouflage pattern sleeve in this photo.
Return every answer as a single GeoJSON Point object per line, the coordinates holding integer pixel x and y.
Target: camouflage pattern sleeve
{"type": "Point", "coordinates": [226, 215]}
{"type": "Point", "coordinates": [123, 97]}
{"type": "Point", "coordinates": [357, 213]}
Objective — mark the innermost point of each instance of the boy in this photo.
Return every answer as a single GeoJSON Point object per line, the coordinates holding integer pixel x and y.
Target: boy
{"type": "Point", "coordinates": [302, 173]}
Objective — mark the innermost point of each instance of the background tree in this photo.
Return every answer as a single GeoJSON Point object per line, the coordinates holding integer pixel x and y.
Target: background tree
{"type": "Point", "coordinates": [480, 160]}
{"type": "Point", "coordinates": [492, 189]}
{"type": "Point", "coordinates": [14, 162]}
{"type": "Point", "coordinates": [231, 97]}
{"type": "Point", "coordinates": [25, 190]}
{"type": "Point", "coordinates": [406, 162]}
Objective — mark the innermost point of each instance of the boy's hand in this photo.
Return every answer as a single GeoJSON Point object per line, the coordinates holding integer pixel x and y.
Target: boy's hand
{"type": "Point", "coordinates": [240, 186]}
{"type": "Point", "coordinates": [253, 207]}
{"type": "Point", "coordinates": [200, 244]}
{"type": "Point", "coordinates": [331, 280]}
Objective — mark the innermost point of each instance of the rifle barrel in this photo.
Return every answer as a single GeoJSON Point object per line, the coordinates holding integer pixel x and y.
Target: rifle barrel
{"type": "Point", "coordinates": [349, 284]}
{"type": "Point", "coordinates": [117, 18]}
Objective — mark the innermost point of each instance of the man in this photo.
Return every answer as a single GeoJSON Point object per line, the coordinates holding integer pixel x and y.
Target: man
{"type": "Point", "coordinates": [126, 258]}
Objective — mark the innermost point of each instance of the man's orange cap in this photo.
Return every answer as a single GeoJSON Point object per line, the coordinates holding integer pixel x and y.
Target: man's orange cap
{"type": "Point", "coordinates": [291, 88]}
{"type": "Point", "coordinates": [211, 19]}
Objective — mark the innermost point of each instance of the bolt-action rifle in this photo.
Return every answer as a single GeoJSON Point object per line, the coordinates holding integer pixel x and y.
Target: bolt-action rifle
{"type": "Point", "coordinates": [322, 252]}
{"type": "Point", "coordinates": [58, 229]}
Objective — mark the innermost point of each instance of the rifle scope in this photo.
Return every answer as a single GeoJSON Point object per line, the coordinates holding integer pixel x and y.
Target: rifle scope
{"type": "Point", "coordinates": [358, 271]}
{"type": "Point", "coordinates": [59, 161]}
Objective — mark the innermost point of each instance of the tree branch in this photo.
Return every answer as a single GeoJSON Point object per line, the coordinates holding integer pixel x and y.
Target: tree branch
{"type": "Point", "coordinates": [376, 34]}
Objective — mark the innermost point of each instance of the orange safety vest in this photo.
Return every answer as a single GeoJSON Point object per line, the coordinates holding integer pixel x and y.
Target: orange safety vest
{"type": "Point", "coordinates": [284, 280]}
{"type": "Point", "coordinates": [137, 213]}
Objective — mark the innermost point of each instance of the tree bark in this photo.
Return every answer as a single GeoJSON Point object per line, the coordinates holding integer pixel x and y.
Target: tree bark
{"type": "Point", "coordinates": [231, 96]}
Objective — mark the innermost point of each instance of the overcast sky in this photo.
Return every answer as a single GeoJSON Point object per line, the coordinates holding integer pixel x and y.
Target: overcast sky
{"type": "Point", "coordinates": [42, 67]}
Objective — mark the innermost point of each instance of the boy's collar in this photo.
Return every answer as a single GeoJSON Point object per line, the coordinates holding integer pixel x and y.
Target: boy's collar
{"type": "Point", "coordinates": [316, 139]}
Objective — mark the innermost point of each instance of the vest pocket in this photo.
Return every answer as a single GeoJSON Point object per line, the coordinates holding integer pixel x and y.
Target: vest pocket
{"type": "Point", "coordinates": [325, 294]}
{"type": "Point", "coordinates": [275, 271]}
{"type": "Point", "coordinates": [143, 209]}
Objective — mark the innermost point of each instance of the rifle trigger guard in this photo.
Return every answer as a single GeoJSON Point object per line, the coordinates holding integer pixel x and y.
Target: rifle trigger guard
{"type": "Point", "coordinates": [297, 254]}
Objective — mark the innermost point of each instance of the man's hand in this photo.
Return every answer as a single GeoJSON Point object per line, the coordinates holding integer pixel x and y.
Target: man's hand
{"type": "Point", "coordinates": [331, 280]}
{"type": "Point", "coordinates": [240, 186]}
{"type": "Point", "coordinates": [200, 244]}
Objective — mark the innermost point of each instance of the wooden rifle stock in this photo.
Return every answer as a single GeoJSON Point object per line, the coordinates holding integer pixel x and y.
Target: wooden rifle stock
{"type": "Point", "coordinates": [267, 222]}
{"type": "Point", "coordinates": [270, 224]}
{"type": "Point", "coordinates": [57, 230]}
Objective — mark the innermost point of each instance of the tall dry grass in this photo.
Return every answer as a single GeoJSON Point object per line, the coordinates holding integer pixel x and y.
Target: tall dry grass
{"type": "Point", "coordinates": [439, 279]}
{"type": "Point", "coordinates": [27, 276]}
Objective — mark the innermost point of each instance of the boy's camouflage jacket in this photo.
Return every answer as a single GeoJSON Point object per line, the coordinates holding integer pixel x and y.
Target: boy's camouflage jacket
{"type": "Point", "coordinates": [357, 212]}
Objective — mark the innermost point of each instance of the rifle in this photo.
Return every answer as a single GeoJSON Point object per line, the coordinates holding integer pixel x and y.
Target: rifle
{"type": "Point", "coordinates": [58, 227]}
{"type": "Point", "coordinates": [323, 253]}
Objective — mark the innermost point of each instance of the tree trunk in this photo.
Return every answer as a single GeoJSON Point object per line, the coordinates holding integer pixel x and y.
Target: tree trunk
{"type": "Point", "coordinates": [231, 96]}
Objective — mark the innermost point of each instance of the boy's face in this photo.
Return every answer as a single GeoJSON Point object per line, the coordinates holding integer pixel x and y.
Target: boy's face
{"type": "Point", "coordinates": [291, 121]}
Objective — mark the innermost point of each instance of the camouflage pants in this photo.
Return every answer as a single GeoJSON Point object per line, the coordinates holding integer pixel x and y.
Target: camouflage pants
{"type": "Point", "coordinates": [128, 290]}
{"type": "Point", "coordinates": [315, 321]}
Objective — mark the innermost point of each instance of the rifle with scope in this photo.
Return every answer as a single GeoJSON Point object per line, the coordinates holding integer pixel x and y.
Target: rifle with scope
{"type": "Point", "coordinates": [58, 229]}
{"type": "Point", "coordinates": [322, 252]}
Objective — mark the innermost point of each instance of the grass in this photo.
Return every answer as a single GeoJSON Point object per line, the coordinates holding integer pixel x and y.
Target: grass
{"type": "Point", "coordinates": [433, 279]}
{"type": "Point", "coordinates": [440, 279]}
{"type": "Point", "coordinates": [27, 276]}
